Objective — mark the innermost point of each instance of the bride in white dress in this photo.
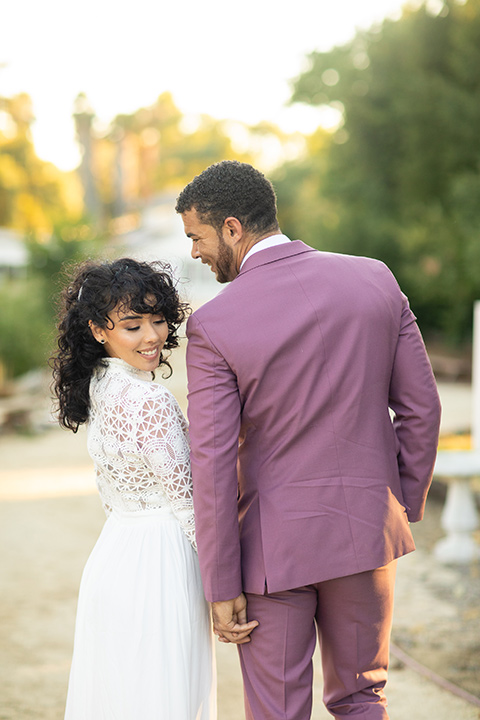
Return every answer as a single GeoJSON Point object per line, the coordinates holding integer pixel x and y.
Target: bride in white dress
{"type": "Point", "coordinates": [143, 639]}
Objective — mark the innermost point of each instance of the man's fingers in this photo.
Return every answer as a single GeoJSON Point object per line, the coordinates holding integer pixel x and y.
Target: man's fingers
{"type": "Point", "coordinates": [237, 634]}
{"type": "Point", "coordinates": [242, 616]}
{"type": "Point", "coordinates": [230, 620]}
{"type": "Point", "coordinates": [246, 628]}
{"type": "Point", "coordinates": [235, 638]}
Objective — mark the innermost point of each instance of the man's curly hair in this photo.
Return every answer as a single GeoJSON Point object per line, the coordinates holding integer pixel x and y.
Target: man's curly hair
{"type": "Point", "coordinates": [232, 189]}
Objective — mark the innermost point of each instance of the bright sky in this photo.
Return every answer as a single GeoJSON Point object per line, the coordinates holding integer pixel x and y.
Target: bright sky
{"type": "Point", "coordinates": [228, 60]}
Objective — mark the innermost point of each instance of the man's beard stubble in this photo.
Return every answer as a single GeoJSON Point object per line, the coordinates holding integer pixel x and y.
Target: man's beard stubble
{"type": "Point", "coordinates": [225, 264]}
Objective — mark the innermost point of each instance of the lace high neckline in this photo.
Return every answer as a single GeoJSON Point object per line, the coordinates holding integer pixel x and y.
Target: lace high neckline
{"type": "Point", "coordinates": [129, 369]}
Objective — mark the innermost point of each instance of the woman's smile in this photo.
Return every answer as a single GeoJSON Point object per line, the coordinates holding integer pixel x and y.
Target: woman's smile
{"type": "Point", "coordinates": [136, 338]}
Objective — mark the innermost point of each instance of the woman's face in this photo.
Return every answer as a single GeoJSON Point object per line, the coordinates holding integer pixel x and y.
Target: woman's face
{"type": "Point", "coordinates": [136, 339]}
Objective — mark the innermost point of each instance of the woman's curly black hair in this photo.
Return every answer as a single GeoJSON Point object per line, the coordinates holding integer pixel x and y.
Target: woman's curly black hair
{"type": "Point", "coordinates": [95, 289]}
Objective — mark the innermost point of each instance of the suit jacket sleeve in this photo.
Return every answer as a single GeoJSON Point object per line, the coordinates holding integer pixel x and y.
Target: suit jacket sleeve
{"type": "Point", "coordinates": [214, 412]}
{"type": "Point", "coordinates": [414, 399]}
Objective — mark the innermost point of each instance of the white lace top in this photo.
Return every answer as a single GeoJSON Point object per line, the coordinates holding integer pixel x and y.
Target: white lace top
{"type": "Point", "coordinates": [138, 440]}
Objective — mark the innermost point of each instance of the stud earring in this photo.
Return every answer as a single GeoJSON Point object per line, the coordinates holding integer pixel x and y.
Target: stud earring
{"type": "Point", "coordinates": [102, 342]}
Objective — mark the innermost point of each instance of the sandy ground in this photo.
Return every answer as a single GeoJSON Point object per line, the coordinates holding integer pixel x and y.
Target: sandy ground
{"type": "Point", "coordinates": [50, 517]}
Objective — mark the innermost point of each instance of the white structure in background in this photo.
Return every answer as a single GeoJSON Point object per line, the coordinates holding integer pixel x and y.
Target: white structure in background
{"type": "Point", "coordinates": [13, 253]}
{"type": "Point", "coordinates": [161, 236]}
{"type": "Point", "coordinates": [460, 516]}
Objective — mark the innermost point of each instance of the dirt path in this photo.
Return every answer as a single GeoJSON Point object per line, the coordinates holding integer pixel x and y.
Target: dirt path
{"type": "Point", "coordinates": [50, 517]}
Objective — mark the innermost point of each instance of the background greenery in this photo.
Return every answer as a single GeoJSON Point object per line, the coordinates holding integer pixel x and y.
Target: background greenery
{"type": "Point", "coordinates": [398, 179]}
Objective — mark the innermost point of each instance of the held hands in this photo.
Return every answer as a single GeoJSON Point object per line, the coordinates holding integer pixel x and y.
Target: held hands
{"type": "Point", "coordinates": [230, 621]}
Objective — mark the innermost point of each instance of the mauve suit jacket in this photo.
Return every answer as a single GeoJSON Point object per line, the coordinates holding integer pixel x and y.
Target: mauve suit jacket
{"type": "Point", "coordinates": [299, 473]}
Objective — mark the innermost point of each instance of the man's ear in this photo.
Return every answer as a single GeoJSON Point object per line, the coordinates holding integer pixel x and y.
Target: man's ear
{"type": "Point", "coordinates": [232, 230]}
{"type": "Point", "coordinates": [97, 332]}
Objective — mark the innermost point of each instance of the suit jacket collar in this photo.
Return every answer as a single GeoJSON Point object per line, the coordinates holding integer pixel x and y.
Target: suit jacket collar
{"type": "Point", "coordinates": [273, 254]}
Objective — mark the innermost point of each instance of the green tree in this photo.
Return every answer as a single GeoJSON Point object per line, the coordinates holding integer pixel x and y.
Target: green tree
{"type": "Point", "coordinates": [149, 151]}
{"type": "Point", "coordinates": [29, 304]}
{"type": "Point", "coordinates": [69, 243]}
{"type": "Point", "coordinates": [400, 180]}
{"type": "Point", "coordinates": [303, 207]}
{"type": "Point", "coordinates": [156, 149]}
{"type": "Point", "coordinates": [33, 193]}
{"type": "Point", "coordinates": [26, 326]}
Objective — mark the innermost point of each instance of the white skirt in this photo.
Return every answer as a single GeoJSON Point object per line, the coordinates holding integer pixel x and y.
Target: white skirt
{"type": "Point", "coordinates": [143, 640]}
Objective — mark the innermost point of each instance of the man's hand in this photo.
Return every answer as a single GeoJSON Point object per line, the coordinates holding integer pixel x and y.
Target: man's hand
{"type": "Point", "coordinates": [230, 621]}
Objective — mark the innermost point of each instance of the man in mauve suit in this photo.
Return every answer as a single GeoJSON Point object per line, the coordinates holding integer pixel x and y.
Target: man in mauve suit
{"type": "Point", "coordinates": [304, 486]}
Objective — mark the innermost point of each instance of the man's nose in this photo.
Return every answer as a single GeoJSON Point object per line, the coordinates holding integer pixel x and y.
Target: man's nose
{"type": "Point", "coordinates": [195, 254]}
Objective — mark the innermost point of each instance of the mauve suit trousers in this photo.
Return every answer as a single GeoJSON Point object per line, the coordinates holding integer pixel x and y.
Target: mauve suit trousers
{"type": "Point", "coordinates": [353, 617]}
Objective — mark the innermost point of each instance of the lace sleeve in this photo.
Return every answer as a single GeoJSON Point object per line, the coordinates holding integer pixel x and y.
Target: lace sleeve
{"type": "Point", "coordinates": [164, 444]}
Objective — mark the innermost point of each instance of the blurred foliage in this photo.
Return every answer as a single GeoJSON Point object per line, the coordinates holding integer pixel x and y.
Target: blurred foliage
{"type": "Point", "coordinates": [399, 179]}
{"type": "Point", "coordinates": [69, 243]}
{"type": "Point", "coordinates": [29, 301]}
{"type": "Point", "coordinates": [65, 216]}
{"type": "Point", "coordinates": [44, 204]}
{"type": "Point", "coordinates": [26, 325]}
{"type": "Point", "coordinates": [156, 149]}
{"type": "Point", "coordinates": [34, 194]}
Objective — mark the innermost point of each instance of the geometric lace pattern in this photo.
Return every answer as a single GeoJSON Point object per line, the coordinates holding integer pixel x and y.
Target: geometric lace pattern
{"type": "Point", "coordinates": [138, 441]}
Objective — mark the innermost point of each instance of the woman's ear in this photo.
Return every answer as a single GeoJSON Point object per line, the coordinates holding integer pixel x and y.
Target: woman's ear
{"type": "Point", "coordinates": [97, 332]}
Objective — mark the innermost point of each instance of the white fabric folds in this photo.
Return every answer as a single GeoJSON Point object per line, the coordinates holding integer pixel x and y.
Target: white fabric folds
{"type": "Point", "coordinates": [143, 639]}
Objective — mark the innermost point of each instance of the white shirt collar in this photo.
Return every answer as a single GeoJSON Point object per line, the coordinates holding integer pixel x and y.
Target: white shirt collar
{"type": "Point", "coordinates": [267, 242]}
